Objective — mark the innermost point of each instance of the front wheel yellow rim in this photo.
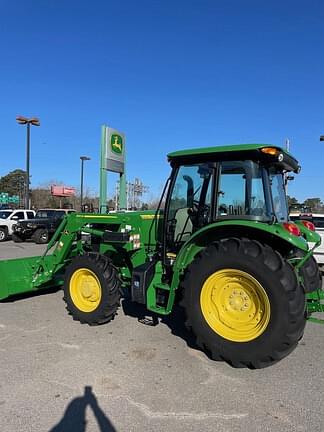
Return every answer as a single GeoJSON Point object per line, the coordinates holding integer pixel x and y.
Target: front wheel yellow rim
{"type": "Point", "coordinates": [235, 305]}
{"type": "Point", "coordinates": [85, 290]}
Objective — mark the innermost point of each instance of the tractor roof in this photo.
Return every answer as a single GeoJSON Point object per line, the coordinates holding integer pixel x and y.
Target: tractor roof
{"type": "Point", "coordinates": [236, 152]}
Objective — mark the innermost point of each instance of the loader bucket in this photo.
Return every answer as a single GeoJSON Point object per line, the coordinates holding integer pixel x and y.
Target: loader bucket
{"type": "Point", "coordinates": [16, 276]}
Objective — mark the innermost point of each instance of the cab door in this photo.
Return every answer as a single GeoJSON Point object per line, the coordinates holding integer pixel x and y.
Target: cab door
{"type": "Point", "coordinates": [189, 203]}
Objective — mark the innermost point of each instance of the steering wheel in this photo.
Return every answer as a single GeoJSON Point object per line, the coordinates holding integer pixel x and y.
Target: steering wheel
{"type": "Point", "coordinates": [199, 214]}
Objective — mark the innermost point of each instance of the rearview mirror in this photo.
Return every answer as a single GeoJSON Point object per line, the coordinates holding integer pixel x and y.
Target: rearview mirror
{"type": "Point", "coordinates": [288, 178]}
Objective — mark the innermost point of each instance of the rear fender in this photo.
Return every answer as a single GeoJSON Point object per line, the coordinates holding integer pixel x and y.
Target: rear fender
{"type": "Point", "coordinates": [275, 235]}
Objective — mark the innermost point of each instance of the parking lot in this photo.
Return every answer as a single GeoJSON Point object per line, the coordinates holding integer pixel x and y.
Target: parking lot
{"type": "Point", "coordinates": [59, 375]}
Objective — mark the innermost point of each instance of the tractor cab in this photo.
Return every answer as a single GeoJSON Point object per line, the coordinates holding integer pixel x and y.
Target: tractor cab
{"type": "Point", "coordinates": [223, 184]}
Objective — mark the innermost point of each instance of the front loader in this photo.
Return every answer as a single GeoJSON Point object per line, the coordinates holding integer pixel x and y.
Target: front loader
{"type": "Point", "coordinates": [220, 245]}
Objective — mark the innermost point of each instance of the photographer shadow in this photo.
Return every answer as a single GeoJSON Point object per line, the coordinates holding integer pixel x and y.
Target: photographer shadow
{"type": "Point", "coordinates": [74, 418]}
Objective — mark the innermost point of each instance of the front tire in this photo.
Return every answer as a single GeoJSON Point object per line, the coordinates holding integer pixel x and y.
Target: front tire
{"type": "Point", "coordinates": [41, 236]}
{"type": "Point", "coordinates": [244, 303]}
{"type": "Point", "coordinates": [3, 234]}
{"type": "Point", "coordinates": [92, 289]}
{"type": "Point", "coordinates": [16, 238]}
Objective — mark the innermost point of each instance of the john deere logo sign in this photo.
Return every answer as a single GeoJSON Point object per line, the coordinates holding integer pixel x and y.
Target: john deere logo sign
{"type": "Point", "coordinates": [115, 150]}
{"type": "Point", "coordinates": [116, 144]}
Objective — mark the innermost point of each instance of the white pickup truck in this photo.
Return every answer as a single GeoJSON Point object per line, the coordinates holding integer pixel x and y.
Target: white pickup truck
{"type": "Point", "coordinates": [318, 221]}
{"type": "Point", "coordinates": [8, 218]}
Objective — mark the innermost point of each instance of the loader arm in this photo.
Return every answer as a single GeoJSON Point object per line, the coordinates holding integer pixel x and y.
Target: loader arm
{"type": "Point", "coordinates": [68, 243]}
{"type": "Point", "coordinates": [28, 274]}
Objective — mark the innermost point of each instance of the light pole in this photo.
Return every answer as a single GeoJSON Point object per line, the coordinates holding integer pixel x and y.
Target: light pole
{"type": "Point", "coordinates": [27, 121]}
{"type": "Point", "coordinates": [83, 158]}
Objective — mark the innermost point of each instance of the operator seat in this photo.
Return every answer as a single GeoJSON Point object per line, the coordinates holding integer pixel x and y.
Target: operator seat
{"type": "Point", "coordinates": [183, 226]}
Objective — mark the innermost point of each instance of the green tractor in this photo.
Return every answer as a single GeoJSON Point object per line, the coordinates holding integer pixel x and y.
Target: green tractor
{"type": "Point", "coordinates": [220, 244]}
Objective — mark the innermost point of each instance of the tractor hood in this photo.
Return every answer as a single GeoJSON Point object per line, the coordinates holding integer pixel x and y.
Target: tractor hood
{"type": "Point", "coordinates": [134, 218]}
{"type": "Point", "coordinates": [145, 223]}
{"type": "Point", "coordinates": [124, 216]}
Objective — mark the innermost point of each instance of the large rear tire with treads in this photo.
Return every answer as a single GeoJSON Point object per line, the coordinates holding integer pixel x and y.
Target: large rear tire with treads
{"type": "Point", "coordinates": [243, 303]}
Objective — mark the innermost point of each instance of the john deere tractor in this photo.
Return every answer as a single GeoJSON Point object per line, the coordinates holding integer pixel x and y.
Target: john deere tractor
{"type": "Point", "coordinates": [220, 244]}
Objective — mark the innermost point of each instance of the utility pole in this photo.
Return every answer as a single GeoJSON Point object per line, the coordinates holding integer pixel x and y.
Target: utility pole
{"type": "Point", "coordinates": [82, 158]}
{"type": "Point", "coordinates": [134, 191]}
{"type": "Point", "coordinates": [34, 121]}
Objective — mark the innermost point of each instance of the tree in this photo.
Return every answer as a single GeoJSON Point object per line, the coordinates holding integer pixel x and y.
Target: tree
{"type": "Point", "coordinates": [291, 200]}
{"type": "Point", "coordinates": [14, 183]}
{"type": "Point", "coordinates": [314, 203]}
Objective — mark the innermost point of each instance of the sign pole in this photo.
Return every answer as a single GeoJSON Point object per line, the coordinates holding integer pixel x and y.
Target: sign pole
{"type": "Point", "coordinates": [123, 186]}
{"type": "Point", "coordinates": [103, 173]}
{"type": "Point", "coordinates": [122, 192]}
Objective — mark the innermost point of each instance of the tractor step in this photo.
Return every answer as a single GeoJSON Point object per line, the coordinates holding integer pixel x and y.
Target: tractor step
{"type": "Point", "coordinates": [141, 278]}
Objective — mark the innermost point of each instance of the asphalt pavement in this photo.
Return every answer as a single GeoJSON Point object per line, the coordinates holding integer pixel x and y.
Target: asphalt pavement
{"type": "Point", "coordinates": [58, 375]}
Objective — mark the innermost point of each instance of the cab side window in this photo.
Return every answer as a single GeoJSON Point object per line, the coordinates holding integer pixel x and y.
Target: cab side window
{"type": "Point", "coordinates": [241, 191]}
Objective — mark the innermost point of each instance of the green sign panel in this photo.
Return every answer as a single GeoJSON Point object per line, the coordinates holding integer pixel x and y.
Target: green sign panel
{"type": "Point", "coordinates": [14, 199]}
{"type": "Point", "coordinates": [115, 151]}
{"type": "Point", "coordinates": [6, 199]}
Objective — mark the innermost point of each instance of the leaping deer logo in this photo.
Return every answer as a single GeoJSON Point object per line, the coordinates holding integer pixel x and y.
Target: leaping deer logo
{"type": "Point", "coordinates": [116, 143]}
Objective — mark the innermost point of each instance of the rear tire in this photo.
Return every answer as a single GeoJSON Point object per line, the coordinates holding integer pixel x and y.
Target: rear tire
{"type": "Point", "coordinates": [92, 289]}
{"type": "Point", "coordinates": [3, 234]}
{"type": "Point", "coordinates": [244, 303]}
{"type": "Point", "coordinates": [16, 238]}
{"type": "Point", "coordinates": [41, 236]}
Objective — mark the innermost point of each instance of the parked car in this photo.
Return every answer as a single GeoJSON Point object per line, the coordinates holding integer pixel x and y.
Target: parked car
{"type": "Point", "coordinates": [318, 220]}
{"type": "Point", "coordinates": [41, 228]}
{"type": "Point", "coordinates": [9, 218]}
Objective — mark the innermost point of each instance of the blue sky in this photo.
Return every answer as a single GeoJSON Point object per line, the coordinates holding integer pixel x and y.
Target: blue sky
{"type": "Point", "coordinates": [169, 74]}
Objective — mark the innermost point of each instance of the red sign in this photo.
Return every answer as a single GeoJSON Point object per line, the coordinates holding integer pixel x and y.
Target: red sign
{"type": "Point", "coordinates": [62, 191]}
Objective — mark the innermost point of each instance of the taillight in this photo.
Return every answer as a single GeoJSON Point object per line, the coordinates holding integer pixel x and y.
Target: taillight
{"type": "Point", "coordinates": [308, 225]}
{"type": "Point", "coordinates": [292, 228]}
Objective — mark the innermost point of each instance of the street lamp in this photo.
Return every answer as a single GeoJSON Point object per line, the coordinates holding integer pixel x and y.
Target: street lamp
{"type": "Point", "coordinates": [83, 158]}
{"type": "Point", "coordinates": [321, 137]}
{"type": "Point", "coordinates": [27, 121]}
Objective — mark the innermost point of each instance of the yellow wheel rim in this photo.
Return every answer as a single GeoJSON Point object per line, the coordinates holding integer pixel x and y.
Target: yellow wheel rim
{"type": "Point", "coordinates": [85, 290]}
{"type": "Point", "coordinates": [235, 305]}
